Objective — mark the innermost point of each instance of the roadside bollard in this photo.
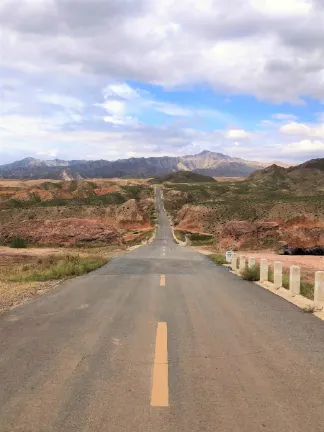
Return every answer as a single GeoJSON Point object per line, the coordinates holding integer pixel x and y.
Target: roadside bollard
{"type": "Point", "coordinates": [234, 262]}
{"type": "Point", "coordinates": [319, 290]}
{"type": "Point", "coordinates": [242, 263]}
{"type": "Point", "coordinates": [294, 280]}
{"type": "Point", "coordinates": [264, 270]}
{"type": "Point", "coordinates": [277, 274]}
{"type": "Point", "coordinates": [252, 263]}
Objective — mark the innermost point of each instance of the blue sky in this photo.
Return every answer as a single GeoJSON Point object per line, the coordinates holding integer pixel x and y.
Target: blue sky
{"type": "Point", "coordinates": [109, 79]}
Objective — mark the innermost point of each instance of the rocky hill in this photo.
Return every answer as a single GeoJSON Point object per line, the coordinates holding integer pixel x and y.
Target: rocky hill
{"type": "Point", "coordinates": [304, 179]}
{"type": "Point", "coordinates": [275, 206]}
{"type": "Point", "coordinates": [77, 212]}
{"type": "Point", "coordinates": [206, 163]}
{"type": "Point", "coordinates": [183, 177]}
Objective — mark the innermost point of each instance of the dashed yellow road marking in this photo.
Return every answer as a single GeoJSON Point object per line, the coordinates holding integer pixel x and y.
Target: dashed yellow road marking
{"type": "Point", "coordinates": [162, 280]}
{"type": "Point", "coordinates": [160, 384]}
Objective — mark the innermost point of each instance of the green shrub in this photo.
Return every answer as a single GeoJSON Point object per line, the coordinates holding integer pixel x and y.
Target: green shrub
{"type": "Point", "coordinates": [18, 243]}
{"type": "Point", "coordinates": [285, 281]}
{"type": "Point", "coordinates": [271, 275]}
{"type": "Point", "coordinates": [132, 191]}
{"type": "Point", "coordinates": [198, 236]}
{"type": "Point", "coordinates": [251, 274]}
{"type": "Point", "coordinates": [307, 290]}
{"type": "Point", "coordinates": [198, 239]}
{"type": "Point", "coordinates": [180, 235]}
{"type": "Point", "coordinates": [218, 259]}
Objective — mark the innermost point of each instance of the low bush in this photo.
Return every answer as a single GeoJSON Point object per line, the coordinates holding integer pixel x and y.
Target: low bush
{"type": "Point", "coordinates": [180, 235]}
{"type": "Point", "coordinates": [198, 239]}
{"type": "Point", "coordinates": [56, 267]}
{"type": "Point", "coordinates": [307, 290]}
{"type": "Point", "coordinates": [18, 243]}
{"type": "Point", "coordinates": [219, 259]}
{"type": "Point", "coordinates": [251, 274]}
{"type": "Point", "coordinates": [285, 281]}
{"type": "Point", "coordinates": [271, 275]}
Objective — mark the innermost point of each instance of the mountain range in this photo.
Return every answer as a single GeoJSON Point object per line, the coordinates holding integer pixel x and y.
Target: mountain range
{"type": "Point", "coordinates": [206, 163]}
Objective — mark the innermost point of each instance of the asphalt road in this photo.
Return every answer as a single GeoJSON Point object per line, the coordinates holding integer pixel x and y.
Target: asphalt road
{"type": "Point", "coordinates": [161, 339]}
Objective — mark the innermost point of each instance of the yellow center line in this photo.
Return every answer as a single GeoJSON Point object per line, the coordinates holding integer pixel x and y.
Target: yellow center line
{"type": "Point", "coordinates": [160, 385]}
{"type": "Point", "coordinates": [162, 280]}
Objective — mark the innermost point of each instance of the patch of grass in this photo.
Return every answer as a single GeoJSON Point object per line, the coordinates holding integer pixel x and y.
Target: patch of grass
{"type": "Point", "coordinates": [198, 236]}
{"type": "Point", "coordinates": [307, 290]}
{"type": "Point", "coordinates": [153, 216]}
{"type": "Point", "coordinates": [251, 274]}
{"type": "Point", "coordinates": [140, 238]}
{"type": "Point", "coordinates": [180, 235]}
{"type": "Point", "coordinates": [219, 259]}
{"type": "Point", "coordinates": [285, 281]}
{"type": "Point", "coordinates": [56, 267]}
{"type": "Point", "coordinates": [271, 275]}
{"type": "Point", "coordinates": [18, 243]}
{"type": "Point", "coordinates": [197, 239]}
{"type": "Point", "coordinates": [309, 309]}
{"type": "Point", "coordinates": [132, 191]}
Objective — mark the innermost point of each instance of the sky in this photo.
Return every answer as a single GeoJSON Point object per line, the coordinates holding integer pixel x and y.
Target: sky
{"type": "Point", "coordinates": [110, 79]}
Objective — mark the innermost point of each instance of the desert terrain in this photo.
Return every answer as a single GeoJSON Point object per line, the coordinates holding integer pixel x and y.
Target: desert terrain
{"type": "Point", "coordinates": [273, 212]}
{"type": "Point", "coordinates": [51, 230]}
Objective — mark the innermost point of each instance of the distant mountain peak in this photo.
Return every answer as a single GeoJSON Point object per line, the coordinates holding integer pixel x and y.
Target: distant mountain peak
{"type": "Point", "coordinates": [205, 152]}
{"type": "Point", "coordinates": [206, 163]}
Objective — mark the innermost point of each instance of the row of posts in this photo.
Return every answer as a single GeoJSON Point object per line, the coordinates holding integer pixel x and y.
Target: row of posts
{"type": "Point", "coordinates": [239, 264]}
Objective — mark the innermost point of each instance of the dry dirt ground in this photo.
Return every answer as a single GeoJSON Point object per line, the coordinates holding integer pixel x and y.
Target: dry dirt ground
{"type": "Point", "coordinates": [229, 179]}
{"type": "Point", "coordinates": [15, 293]}
{"type": "Point", "coordinates": [29, 183]}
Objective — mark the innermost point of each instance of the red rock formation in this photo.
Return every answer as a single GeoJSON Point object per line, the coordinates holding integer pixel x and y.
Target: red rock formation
{"type": "Point", "coordinates": [63, 232]}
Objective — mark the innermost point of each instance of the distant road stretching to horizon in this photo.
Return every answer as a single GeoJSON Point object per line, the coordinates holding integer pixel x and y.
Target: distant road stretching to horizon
{"type": "Point", "coordinates": [161, 339]}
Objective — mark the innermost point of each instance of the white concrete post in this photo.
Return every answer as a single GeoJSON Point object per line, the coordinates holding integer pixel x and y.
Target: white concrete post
{"type": "Point", "coordinates": [319, 290]}
{"type": "Point", "coordinates": [242, 263]}
{"type": "Point", "coordinates": [277, 274]}
{"type": "Point", "coordinates": [234, 262]}
{"type": "Point", "coordinates": [294, 281]}
{"type": "Point", "coordinates": [264, 270]}
{"type": "Point", "coordinates": [252, 263]}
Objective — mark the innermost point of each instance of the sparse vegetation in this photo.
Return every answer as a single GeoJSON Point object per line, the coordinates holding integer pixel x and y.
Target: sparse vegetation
{"type": "Point", "coordinates": [197, 239]}
{"type": "Point", "coordinates": [251, 274]}
{"type": "Point", "coordinates": [309, 309]}
{"type": "Point", "coordinates": [140, 238]}
{"type": "Point", "coordinates": [307, 290]}
{"type": "Point", "coordinates": [53, 267]}
{"type": "Point", "coordinates": [219, 259]}
{"type": "Point", "coordinates": [18, 242]}
{"type": "Point", "coordinates": [180, 235]}
{"type": "Point", "coordinates": [184, 177]}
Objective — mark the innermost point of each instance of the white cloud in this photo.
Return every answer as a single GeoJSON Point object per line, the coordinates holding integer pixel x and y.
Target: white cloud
{"type": "Point", "coordinates": [67, 102]}
{"type": "Point", "coordinates": [304, 146]}
{"type": "Point", "coordinates": [122, 90]}
{"type": "Point", "coordinates": [296, 129]}
{"type": "Point", "coordinates": [115, 107]}
{"type": "Point", "coordinates": [170, 109]}
{"type": "Point", "coordinates": [256, 47]}
{"type": "Point", "coordinates": [284, 116]}
{"type": "Point", "coordinates": [51, 153]}
{"type": "Point", "coordinates": [283, 8]}
{"type": "Point", "coordinates": [238, 134]}
{"type": "Point", "coordinates": [303, 130]}
{"type": "Point", "coordinates": [125, 105]}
